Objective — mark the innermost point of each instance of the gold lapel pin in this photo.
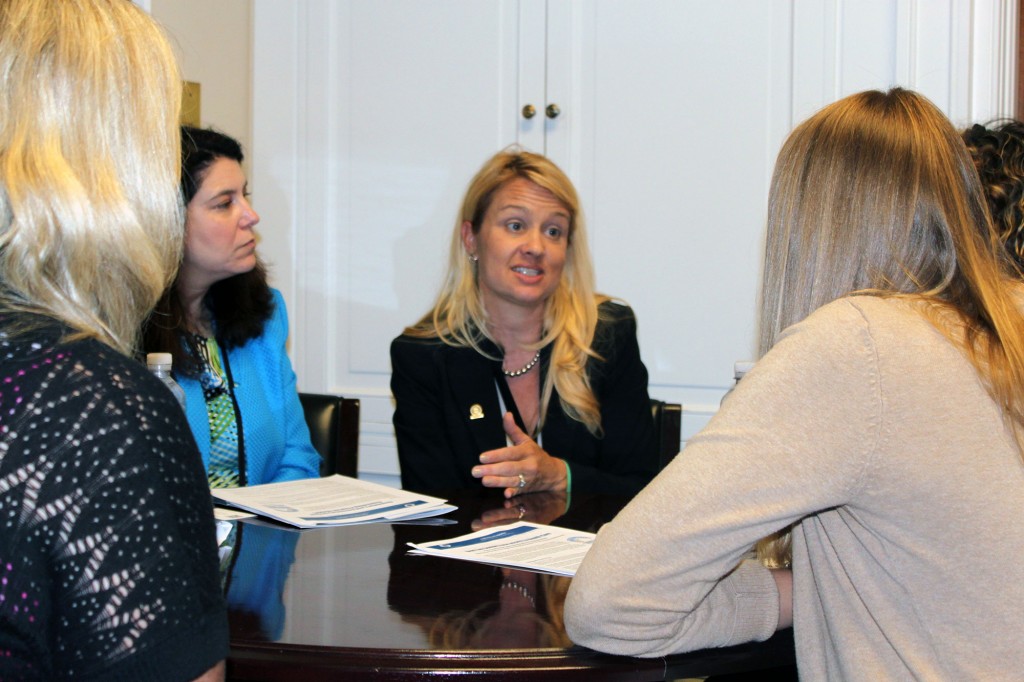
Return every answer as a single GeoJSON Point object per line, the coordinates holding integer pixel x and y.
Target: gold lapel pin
{"type": "Point", "coordinates": [475, 411]}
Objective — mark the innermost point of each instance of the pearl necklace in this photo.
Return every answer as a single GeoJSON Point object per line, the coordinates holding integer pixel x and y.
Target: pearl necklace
{"type": "Point", "coordinates": [519, 589]}
{"type": "Point", "coordinates": [526, 368]}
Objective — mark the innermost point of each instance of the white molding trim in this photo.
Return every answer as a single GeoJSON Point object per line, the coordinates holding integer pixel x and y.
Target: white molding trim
{"type": "Point", "coordinates": [1006, 58]}
{"type": "Point", "coordinates": [993, 59]}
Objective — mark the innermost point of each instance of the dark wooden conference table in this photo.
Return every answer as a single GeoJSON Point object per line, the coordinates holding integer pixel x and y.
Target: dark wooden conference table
{"type": "Point", "coordinates": [349, 603]}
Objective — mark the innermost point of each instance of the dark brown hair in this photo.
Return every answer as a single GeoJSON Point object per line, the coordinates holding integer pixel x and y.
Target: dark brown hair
{"type": "Point", "coordinates": [998, 152]}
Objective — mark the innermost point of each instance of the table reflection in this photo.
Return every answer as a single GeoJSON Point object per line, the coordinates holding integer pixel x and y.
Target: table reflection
{"type": "Point", "coordinates": [464, 605]}
{"type": "Point", "coordinates": [260, 559]}
{"type": "Point", "coordinates": [351, 602]}
{"type": "Point", "coordinates": [527, 613]}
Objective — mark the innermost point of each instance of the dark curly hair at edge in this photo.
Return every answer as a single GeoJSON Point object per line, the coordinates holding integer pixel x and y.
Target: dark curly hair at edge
{"type": "Point", "coordinates": [998, 152]}
{"type": "Point", "coordinates": [239, 305]}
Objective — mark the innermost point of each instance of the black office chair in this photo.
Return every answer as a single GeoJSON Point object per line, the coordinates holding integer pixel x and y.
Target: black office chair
{"type": "Point", "coordinates": [333, 423]}
{"type": "Point", "coordinates": [668, 425]}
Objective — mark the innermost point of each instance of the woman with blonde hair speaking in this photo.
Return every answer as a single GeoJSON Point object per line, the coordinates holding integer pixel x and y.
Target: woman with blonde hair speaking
{"type": "Point", "coordinates": [521, 377]}
{"type": "Point", "coordinates": [880, 432]}
{"type": "Point", "coordinates": [108, 552]}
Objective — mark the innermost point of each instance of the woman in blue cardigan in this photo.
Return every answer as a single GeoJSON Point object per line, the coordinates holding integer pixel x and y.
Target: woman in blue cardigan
{"type": "Point", "coordinates": [226, 329]}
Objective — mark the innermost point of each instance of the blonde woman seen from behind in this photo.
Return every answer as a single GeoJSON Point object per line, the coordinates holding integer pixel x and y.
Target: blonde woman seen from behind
{"type": "Point", "coordinates": [881, 427]}
{"type": "Point", "coordinates": [108, 547]}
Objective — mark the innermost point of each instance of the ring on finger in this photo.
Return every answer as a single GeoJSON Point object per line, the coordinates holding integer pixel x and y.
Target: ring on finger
{"type": "Point", "coordinates": [522, 481]}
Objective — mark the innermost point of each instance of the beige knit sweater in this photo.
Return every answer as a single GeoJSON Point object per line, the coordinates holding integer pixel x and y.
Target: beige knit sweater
{"type": "Point", "coordinates": [871, 432]}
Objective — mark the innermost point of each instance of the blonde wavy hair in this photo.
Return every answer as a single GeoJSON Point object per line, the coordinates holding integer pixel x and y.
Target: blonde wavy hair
{"type": "Point", "coordinates": [91, 226]}
{"type": "Point", "coordinates": [458, 317]}
{"type": "Point", "coordinates": [877, 195]}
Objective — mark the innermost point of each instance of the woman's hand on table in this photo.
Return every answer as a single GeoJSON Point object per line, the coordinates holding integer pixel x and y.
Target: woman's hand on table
{"type": "Point", "coordinates": [522, 467]}
{"type": "Point", "coordinates": [542, 508]}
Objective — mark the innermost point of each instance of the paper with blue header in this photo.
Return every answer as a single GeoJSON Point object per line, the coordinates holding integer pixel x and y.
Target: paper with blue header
{"type": "Point", "coordinates": [545, 549]}
{"type": "Point", "coordinates": [331, 501]}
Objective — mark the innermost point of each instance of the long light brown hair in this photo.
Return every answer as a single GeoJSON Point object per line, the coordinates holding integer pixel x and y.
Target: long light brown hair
{"type": "Point", "coordinates": [90, 220]}
{"type": "Point", "coordinates": [877, 195]}
{"type": "Point", "coordinates": [458, 317]}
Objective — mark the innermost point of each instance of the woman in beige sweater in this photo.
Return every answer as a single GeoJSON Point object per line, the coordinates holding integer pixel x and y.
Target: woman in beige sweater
{"type": "Point", "coordinates": [879, 435]}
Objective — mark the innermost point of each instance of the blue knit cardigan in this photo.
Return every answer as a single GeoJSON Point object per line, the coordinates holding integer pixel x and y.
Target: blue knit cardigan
{"type": "Point", "coordinates": [277, 445]}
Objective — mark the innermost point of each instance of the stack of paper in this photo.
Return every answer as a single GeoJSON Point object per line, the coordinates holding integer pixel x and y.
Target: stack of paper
{"type": "Point", "coordinates": [331, 501]}
{"type": "Point", "coordinates": [546, 549]}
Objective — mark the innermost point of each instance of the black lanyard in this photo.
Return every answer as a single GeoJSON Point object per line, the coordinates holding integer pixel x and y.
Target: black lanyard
{"type": "Point", "coordinates": [242, 477]}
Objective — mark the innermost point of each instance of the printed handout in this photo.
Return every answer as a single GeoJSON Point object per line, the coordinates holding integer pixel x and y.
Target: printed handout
{"type": "Point", "coordinates": [547, 549]}
{"type": "Point", "coordinates": [331, 501]}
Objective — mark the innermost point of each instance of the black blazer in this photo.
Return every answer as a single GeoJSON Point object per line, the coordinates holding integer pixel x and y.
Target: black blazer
{"type": "Point", "coordinates": [436, 387]}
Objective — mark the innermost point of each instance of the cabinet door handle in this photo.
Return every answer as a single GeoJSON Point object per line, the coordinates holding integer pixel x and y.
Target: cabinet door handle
{"type": "Point", "coordinates": [552, 111]}
{"type": "Point", "coordinates": [529, 111]}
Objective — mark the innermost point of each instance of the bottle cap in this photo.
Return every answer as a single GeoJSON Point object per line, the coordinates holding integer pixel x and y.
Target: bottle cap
{"type": "Point", "coordinates": [740, 369]}
{"type": "Point", "coordinates": [153, 359]}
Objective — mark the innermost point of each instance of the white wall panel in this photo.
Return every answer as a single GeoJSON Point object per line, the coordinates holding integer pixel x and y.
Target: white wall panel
{"type": "Point", "coordinates": [865, 64]}
{"type": "Point", "coordinates": [680, 104]}
{"type": "Point", "coordinates": [405, 196]}
{"type": "Point", "coordinates": [274, 159]}
{"type": "Point", "coordinates": [993, 59]}
{"type": "Point", "coordinates": [931, 56]}
{"type": "Point", "coordinates": [217, 59]}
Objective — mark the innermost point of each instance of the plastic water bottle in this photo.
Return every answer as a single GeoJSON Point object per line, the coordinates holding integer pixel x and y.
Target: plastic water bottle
{"type": "Point", "coordinates": [160, 365]}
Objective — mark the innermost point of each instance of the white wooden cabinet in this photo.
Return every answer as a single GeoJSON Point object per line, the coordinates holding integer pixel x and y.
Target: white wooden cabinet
{"type": "Point", "coordinates": [370, 117]}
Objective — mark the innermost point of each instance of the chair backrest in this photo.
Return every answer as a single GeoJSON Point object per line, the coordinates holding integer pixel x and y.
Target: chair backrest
{"type": "Point", "coordinates": [668, 425]}
{"type": "Point", "coordinates": [333, 423]}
